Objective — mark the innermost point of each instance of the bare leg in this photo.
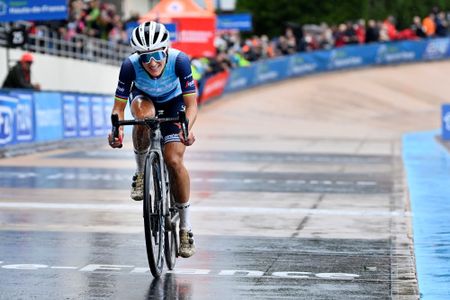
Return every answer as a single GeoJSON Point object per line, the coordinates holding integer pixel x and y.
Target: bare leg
{"type": "Point", "coordinates": [173, 155]}
{"type": "Point", "coordinates": [141, 108]}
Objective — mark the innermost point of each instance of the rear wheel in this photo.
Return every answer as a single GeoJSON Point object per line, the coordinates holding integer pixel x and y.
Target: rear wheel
{"type": "Point", "coordinates": [154, 221]}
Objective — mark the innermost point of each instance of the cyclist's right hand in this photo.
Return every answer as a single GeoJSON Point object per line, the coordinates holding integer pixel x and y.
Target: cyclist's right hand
{"type": "Point", "coordinates": [116, 142]}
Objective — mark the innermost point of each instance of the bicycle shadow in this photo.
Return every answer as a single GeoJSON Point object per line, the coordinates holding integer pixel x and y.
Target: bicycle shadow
{"type": "Point", "coordinates": [168, 287]}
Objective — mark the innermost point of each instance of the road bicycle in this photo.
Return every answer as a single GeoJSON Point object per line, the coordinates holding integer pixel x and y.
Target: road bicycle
{"type": "Point", "coordinates": [161, 217]}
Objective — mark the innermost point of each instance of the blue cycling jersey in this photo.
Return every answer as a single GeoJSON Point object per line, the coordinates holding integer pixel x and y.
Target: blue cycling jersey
{"type": "Point", "coordinates": [176, 78]}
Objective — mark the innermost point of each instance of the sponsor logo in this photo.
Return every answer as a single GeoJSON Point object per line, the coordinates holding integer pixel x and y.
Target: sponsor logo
{"type": "Point", "coordinates": [436, 49]}
{"type": "Point", "coordinates": [299, 66]}
{"type": "Point", "coordinates": [24, 121]}
{"type": "Point", "coordinates": [195, 36]}
{"type": "Point", "coordinates": [214, 86]}
{"type": "Point", "coordinates": [341, 59]}
{"type": "Point", "coordinates": [264, 73]}
{"type": "Point", "coordinates": [3, 8]}
{"type": "Point", "coordinates": [446, 120]}
{"type": "Point", "coordinates": [37, 9]}
{"type": "Point", "coordinates": [239, 82]}
{"type": "Point", "coordinates": [391, 54]}
{"type": "Point", "coordinates": [6, 124]}
{"type": "Point", "coordinates": [190, 83]}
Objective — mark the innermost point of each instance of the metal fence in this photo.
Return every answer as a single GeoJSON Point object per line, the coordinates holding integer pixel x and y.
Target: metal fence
{"type": "Point", "coordinates": [77, 47]}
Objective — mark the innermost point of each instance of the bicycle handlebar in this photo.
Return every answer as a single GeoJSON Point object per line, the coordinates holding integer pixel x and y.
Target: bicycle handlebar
{"type": "Point", "coordinates": [116, 123]}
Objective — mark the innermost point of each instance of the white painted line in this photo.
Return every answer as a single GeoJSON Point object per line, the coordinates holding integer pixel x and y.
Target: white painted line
{"type": "Point", "coordinates": [217, 180]}
{"type": "Point", "coordinates": [212, 209]}
{"type": "Point", "coordinates": [366, 183]}
{"type": "Point", "coordinates": [63, 267]}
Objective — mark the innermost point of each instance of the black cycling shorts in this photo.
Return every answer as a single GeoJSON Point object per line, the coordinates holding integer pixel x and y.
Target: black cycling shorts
{"type": "Point", "coordinates": [169, 130]}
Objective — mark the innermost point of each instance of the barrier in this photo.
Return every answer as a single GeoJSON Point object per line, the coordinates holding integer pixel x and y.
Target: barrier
{"type": "Point", "coordinates": [27, 117]}
{"type": "Point", "coordinates": [446, 122]}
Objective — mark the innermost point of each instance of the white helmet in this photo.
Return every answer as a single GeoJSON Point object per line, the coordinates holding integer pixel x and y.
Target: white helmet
{"type": "Point", "coordinates": [149, 36]}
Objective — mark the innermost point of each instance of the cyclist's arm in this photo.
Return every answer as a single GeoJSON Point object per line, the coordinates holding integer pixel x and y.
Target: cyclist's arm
{"type": "Point", "coordinates": [184, 73]}
{"type": "Point", "coordinates": [126, 77]}
{"type": "Point", "coordinates": [190, 100]}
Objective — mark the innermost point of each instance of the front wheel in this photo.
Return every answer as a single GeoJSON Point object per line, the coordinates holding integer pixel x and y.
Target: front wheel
{"type": "Point", "coordinates": [171, 235]}
{"type": "Point", "coordinates": [154, 222]}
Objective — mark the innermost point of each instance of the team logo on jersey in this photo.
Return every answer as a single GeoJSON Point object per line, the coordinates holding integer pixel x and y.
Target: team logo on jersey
{"type": "Point", "coordinates": [190, 83]}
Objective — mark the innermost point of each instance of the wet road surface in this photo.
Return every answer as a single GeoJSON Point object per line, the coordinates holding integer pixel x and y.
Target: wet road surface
{"type": "Point", "coordinates": [298, 192]}
{"type": "Point", "coordinates": [269, 224]}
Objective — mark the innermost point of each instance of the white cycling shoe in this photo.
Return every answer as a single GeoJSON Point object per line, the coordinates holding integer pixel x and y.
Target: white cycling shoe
{"type": "Point", "coordinates": [187, 245]}
{"type": "Point", "coordinates": [137, 187]}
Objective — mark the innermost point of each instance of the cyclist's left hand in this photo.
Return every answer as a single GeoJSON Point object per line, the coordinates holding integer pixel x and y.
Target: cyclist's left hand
{"type": "Point", "coordinates": [190, 140]}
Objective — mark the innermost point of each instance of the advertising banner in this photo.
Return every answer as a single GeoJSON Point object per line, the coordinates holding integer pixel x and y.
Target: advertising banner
{"type": "Point", "coordinates": [8, 106]}
{"type": "Point", "coordinates": [24, 130]}
{"type": "Point", "coordinates": [240, 22]}
{"type": "Point", "coordinates": [84, 115]}
{"type": "Point", "coordinates": [352, 57]}
{"type": "Point", "coordinates": [271, 70]}
{"type": "Point", "coordinates": [240, 78]}
{"type": "Point", "coordinates": [70, 115]}
{"type": "Point", "coordinates": [97, 115]}
{"type": "Point", "coordinates": [108, 103]}
{"type": "Point", "coordinates": [214, 86]}
{"type": "Point", "coordinates": [33, 10]}
{"type": "Point", "coordinates": [446, 122]}
{"type": "Point", "coordinates": [172, 28]}
{"type": "Point", "coordinates": [195, 36]}
{"type": "Point", "coordinates": [48, 114]}
{"type": "Point", "coordinates": [437, 49]}
{"type": "Point", "coordinates": [303, 64]}
{"type": "Point", "coordinates": [399, 52]}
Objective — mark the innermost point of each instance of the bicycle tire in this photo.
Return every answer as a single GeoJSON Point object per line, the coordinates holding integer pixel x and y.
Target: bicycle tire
{"type": "Point", "coordinates": [171, 236]}
{"type": "Point", "coordinates": [154, 221]}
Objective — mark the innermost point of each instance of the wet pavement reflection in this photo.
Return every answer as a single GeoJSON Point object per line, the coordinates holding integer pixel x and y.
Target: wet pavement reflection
{"type": "Point", "coordinates": [269, 225]}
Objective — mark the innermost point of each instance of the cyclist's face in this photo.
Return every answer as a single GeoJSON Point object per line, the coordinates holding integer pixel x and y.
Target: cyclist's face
{"type": "Point", "coordinates": [155, 68]}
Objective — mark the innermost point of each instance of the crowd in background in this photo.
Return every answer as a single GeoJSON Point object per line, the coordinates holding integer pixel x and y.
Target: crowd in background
{"type": "Point", "coordinates": [100, 19]}
{"type": "Point", "coordinates": [233, 51]}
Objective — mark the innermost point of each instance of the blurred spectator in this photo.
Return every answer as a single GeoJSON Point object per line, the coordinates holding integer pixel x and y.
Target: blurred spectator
{"type": "Point", "coordinates": [19, 76]}
{"type": "Point", "coordinates": [418, 28]}
{"type": "Point", "coordinates": [429, 25]}
{"type": "Point", "coordinates": [391, 30]}
{"type": "Point", "coordinates": [441, 25]}
{"type": "Point", "coordinates": [372, 32]}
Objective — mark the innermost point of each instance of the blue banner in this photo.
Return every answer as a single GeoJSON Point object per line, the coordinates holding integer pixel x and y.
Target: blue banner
{"type": "Point", "coordinates": [70, 115]}
{"type": "Point", "coordinates": [446, 122]}
{"type": "Point", "coordinates": [24, 129]}
{"type": "Point", "coordinates": [241, 22]}
{"type": "Point", "coordinates": [33, 10]}
{"type": "Point", "coordinates": [399, 52]}
{"type": "Point", "coordinates": [351, 57]}
{"type": "Point", "coordinates": [97, 116]}
{"type": "Point", "coordinates": [8, 107]}
{"type": "Point", "coordinates": [303, 64]}
{"type": "Point", "coordinates": [48, 114]}
{"type": "Point", "coordinates": [437, 49]}
{"type": "Point", "coordinates": [240, 78]}
{"type": "Point", "coordinates": [84, 115]}
{"type": "Point", "coordinates": [172, 28]}
{"type": "Point", "coordinates": [271, 70]}
{"type": "Point", "coordinates": [108, 103]}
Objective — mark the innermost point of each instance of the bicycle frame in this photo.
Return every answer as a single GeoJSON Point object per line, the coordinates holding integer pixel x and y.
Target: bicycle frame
{"type": "Point", "coordinates": [155, 143]}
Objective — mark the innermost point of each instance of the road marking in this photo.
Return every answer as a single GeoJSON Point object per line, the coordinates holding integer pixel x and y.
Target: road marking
{"type": "Point", "coordinates": [121, 177]}
{"type": "Point", "coordinates": [213, 209]}
{"type": "Point", "coordinates": [130, 269]}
